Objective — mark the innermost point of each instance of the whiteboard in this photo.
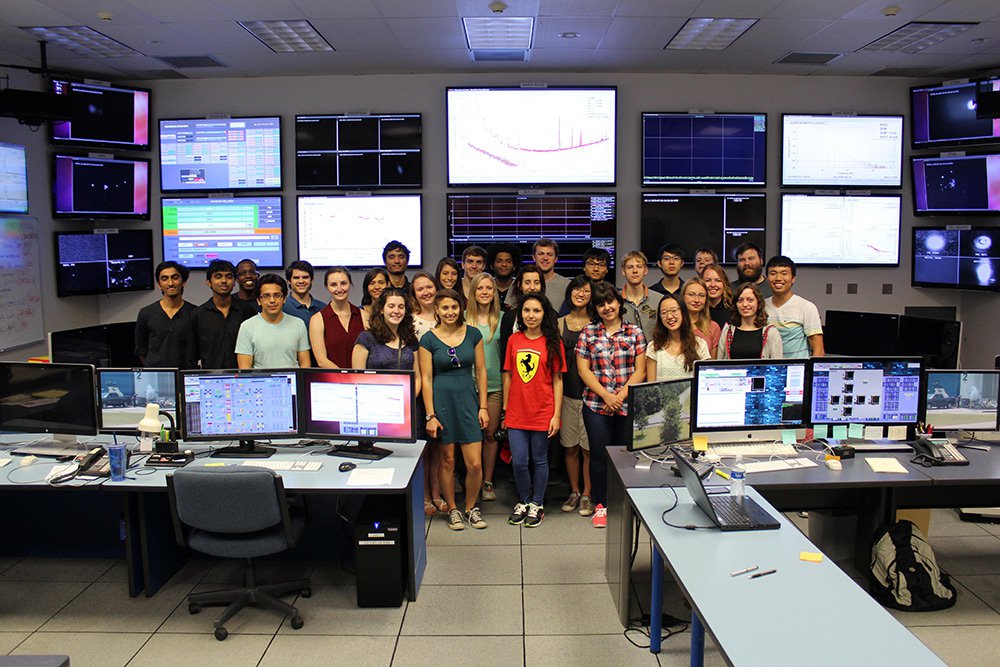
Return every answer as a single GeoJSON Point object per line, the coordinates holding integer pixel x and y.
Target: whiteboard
{"type": "Point", "coordinates": [20, 284]}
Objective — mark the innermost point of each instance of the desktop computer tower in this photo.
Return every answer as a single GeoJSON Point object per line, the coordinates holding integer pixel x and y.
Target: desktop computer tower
{"type": "Point", "coordinates": [380, 552]}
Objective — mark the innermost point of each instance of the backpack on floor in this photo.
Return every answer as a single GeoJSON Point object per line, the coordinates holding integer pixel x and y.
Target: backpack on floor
{"type": "Point", "coordinates": [904, 573]}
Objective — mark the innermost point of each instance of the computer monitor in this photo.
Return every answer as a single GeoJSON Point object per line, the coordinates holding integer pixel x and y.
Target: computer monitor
{"type": "Point", "coordinates": [964, 400]}
{"type": "Point", "coordinates": [855, 334]}
{"type": "Point", "coordinates": [59, 399]}
{"type": "Point", "coordinates": [363, 405]}
{"type": "Point", "coordinates": [875, 391]}
{"type": "Point", "coordinates": [660, 413]}
{"type": "Point", "coordinates": [743, 399]}
{"type": "Point", "coordinates": [125, 392]}
{"type": "Point", "coordinates": [238, 405]}
{"type": "Point", "coordinates": [103, 346]}
{"type": "Point", "coordinates": [13, 178]}
{"type": "Point", "coordinates": [937, 341]}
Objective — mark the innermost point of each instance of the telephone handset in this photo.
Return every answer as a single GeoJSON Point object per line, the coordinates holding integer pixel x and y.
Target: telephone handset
{"type": "Point", "coordinates": [937, 452]}
{"type": "Point", "coordinates": [94, 463]}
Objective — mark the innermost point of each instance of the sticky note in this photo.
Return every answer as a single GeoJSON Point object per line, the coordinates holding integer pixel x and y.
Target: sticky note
{"type": "Point", "coordinates": [840, 433]}
{"type": "Point", "coordinates": [897, 433]}
{"type": "Point", "coordinates": [811, 556]}
{"type": "Point", "coordinates": [885, 464]}
{"type": "Point", "coordinates": [820, 431]}
{"type": "Point", "coordinates": [856, 431]}
{"type": "Point", "coordinates": [873, 432]}
{"type": "Point", "coordinates": [700, 443]}
{"type": "Point", "coordinates": [788, 436]}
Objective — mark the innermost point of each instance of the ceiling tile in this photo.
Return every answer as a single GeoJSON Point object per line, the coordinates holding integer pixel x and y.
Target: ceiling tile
{"type": "Point", "coordinates": [325, 9]}
{"type": "Point", "coordinates": [425, 9]}
{"type": "Point", "coordinates": [357, 34]}
{"type": "Point", "coordinates": [259, 10]}
{"type": "Point", "coordinates": [911, 10]}
{"type": "Point", "coordinates": [813, 9]}
{"type": "Point", "coordinates": [964, 10]}
{"type": "Point", "coordinates": [575, 8]}
{"type": "Point", "coordinates": [591, 31]}
{"type": "Point", "coordinates": [481, 8]}
{"type": "Point", "coordinates": [428, 33]}
{"type": "Point", "coordinates": [845, 36]}
{"type": "Point", "coordinates": [737, 9]}
{"type": "Point", "coordinates": [220, 36]}
{"type": "Point", "coordinates": [674, 9]}
{"type": "Point", "coordinates": [640, 33]}
{"type": "Point", "coordinates": [577, 59]}
{"type": "Point", "coordinates": [180, 10]}
{"type": "Point", "coordinates": [770, 33]}
{"type": "Point", "coordinates": [32, 13]}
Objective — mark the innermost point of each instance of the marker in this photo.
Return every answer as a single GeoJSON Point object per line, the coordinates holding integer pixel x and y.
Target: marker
{"type": "Point", "coordinates": [721, 474]}
{"type": "Point", "coordinates": [745, 570]}
{"type": "Point", "coordinates": [761, 574]}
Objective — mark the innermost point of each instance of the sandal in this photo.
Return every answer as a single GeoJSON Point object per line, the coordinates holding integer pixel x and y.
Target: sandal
{"type": "Point", "coordinates": [429, 509]}
{"type": "Point", "coordinates": [441, 505]}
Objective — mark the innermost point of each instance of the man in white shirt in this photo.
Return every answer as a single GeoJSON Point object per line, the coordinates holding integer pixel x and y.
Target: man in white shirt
{"type": "Point", "coordinates": [796, 319]}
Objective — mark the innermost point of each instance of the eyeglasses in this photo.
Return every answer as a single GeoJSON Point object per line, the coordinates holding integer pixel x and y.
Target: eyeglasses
{"type": "Point", "coordinates": [272, 297]}
{"type": "Point", "coordinates": [671, 258]}
{"type": "Point", "coordinates": [595, 263]}
{"type": "Point", "coordinates": [455, 361]}
{"type": "Point", "coordinates": [672, 311]}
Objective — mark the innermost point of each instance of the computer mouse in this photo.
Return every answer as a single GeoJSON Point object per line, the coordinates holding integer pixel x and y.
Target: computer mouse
{"type": "Point", "coordinates": [834, 464]}
{"type": "Point", "coordinates": [347, 466]}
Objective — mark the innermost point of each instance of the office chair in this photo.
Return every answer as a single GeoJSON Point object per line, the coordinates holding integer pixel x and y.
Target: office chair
{"type": "Point", "coordinates": [237, 512]}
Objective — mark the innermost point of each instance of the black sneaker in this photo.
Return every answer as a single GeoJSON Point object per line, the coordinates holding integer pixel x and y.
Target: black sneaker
{"type": "Point", "coordinates": [516, 517]}
{"type": "Point", "coordinates": [535, 515]}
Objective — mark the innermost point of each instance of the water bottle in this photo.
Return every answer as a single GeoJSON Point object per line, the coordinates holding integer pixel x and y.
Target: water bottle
{"type": "Point", "coordinates": [737, 478]}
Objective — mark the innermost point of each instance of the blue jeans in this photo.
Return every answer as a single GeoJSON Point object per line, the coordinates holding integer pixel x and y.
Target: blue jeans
{"type": "Point", "coordinates": [536, 444]}
{"type": "Point", "coordinates": [603, 431]}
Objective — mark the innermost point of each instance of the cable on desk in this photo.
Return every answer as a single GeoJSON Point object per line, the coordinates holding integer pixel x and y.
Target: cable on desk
{"type": "Point", "coordinates": [663, 516]}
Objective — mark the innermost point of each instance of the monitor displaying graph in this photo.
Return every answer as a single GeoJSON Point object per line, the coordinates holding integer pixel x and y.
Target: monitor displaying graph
{"type": "Point", "coordinates": [844, 151]}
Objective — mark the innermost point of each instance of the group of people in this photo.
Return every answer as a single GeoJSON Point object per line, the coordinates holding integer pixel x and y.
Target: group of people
{"type": "Point", "coordinates": [499, 351]}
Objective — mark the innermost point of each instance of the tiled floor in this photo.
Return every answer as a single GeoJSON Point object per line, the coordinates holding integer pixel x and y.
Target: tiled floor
{"type": "Point", "coordinates": [504, 596]}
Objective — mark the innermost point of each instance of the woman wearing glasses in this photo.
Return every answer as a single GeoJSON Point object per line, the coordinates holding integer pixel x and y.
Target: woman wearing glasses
{"type": "Point", "coordinates": [674, 347]}
{"type": "Point", "coordinates": [455, 401]}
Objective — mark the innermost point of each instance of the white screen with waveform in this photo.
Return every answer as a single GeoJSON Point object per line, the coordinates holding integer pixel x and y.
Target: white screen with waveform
{"type": "Point", "coordinates": [840, 230]}
{"type": "Point", "coordinates": [352, 231]}
{"type": "Point", "coordinates": [848, 151]}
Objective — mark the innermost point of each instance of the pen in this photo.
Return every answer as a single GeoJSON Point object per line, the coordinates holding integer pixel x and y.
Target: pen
{"type": "Point", "coordinates": [745, 570]}
{"type": "Point", "coordinates": [761, 574]}
{"type": "Point", "coordinates": [721, 474]}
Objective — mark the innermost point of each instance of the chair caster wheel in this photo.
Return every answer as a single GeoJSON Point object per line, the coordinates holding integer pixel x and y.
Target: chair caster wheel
{"type": "Point", "coordinates": [193, 608]}
{"type": "Point", "coordinates": [306, 593]}
{"type": "Point", "coordinates": [221, 633]}
{"type": "Point", "coordinates": [297, 622]}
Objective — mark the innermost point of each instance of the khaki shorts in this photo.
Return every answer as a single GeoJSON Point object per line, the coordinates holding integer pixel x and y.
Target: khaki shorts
{"type": "Point", "coordinates": [572, 432]}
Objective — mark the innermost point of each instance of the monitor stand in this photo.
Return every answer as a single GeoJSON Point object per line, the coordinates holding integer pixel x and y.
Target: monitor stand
{"type": "Point", "coordinates": [365, 449]}
{"type": "Point", "coordinates": [247, 449]}
{"type": "Point", "coordinates": [59, 446]}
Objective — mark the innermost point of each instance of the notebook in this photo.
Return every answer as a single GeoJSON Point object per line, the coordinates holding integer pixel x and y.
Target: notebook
{"type": "Point", "coordinates": [727, 512]}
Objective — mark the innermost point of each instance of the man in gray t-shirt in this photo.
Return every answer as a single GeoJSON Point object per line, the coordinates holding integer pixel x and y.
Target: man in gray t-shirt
{"type": "Point", "coordinates": [272, 339]}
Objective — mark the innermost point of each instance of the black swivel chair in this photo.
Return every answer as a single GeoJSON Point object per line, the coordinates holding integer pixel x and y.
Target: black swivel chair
{"type": "Point", "coordinates": [238, 512]}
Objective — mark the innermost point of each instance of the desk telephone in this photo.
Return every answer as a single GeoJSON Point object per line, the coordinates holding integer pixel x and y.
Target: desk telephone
{"type": "Point", "coordinates": [94, 463]}
{"type": "Point", "coordinates": [937, 452]}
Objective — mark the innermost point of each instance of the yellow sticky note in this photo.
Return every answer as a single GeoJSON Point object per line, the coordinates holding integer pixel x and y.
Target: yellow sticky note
{"type": "Point", "coordinates": [856, 431]}
{"type": "Point", "coordinates": [788, 436]}
{"type": "Point", "coordinates": [214, 465]}
{"type": "Point", "coordinates": [700, 443]}
{"type": "Point", "coordinates": [811, 556]}
{"type": "Point", "coordinates": [820, 431]}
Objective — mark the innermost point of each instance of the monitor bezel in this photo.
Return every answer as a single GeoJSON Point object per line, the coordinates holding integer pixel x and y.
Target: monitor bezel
{"type": "Point", "coordinates": [921, 390]}
{"type": "Point", "coordinates": [27, 181]}
{"type": "Point", "coordinates": [95, 143]}
{"type": "Point", "coordinates": [227, 188]}
{"type": "Point", "coordinates": [304, 409]}
{"type": "Point", "coordinates": [89, 431]}
{"type": "Point", "coordinates": [958, 371]}
{"type": "Point", "coordinates": [243, 372]}
{"type": "Point", "coordinates": [101, 428]}
{"type": "Point", "coordinates": [839, 265]}
{"type": "Point", "coordinates": [630, 445]}
{"type": "Point", "coordinates": [699, 367]}
{"type": "Point", "coordinates": [61, 291]}
{"type": "Point", "coordinates": [106, 215]}
{"type": "Point", "coordinates": [695, 182]}
{"type": "Point", "coordinates": [955, 286]}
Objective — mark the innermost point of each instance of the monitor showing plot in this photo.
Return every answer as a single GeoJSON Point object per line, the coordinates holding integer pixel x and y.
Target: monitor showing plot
{"type": "Point", "coordinates": [220, 154]}
{"type": "Point", "coordinates": [526, 136]}
{"type": "Point", "coordinates": [124, 393]}
{"type": "Point", "coordinates": [660, 413]}
{"type": "Point", "coordinates": [702, 220]}
{"type": "Point", "coordinates": [844, 151]}
{"type": "Point", "coordinates": [198, 230]}
{"type": "Point", "coordinates": [13, 178]}
{"type": "Point", "coordinates": [962, 258]}
{"type": "Point", "coordinates": [963, 400]}
{"type": "Point", "coordinates": [841, 230]}
{"type": "Point", "coordinates": [364, 405]}
{"type": "Point", "coordinates": [866, 390]}
{"type": "Point", "coordinates": [749, 394]}
{"type": "Point", "coordinates": [704, 149]}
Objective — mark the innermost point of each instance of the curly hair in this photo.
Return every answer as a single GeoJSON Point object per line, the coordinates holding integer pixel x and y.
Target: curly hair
{"type": "Point", "coordinates": [380, 328]}
{"type": "Point", "coordinates": [760, 317]}
{"type": "Point", "coordinates": [661, 334]}
{"type": "Point", "coordinates": [600, 294]}
{"type": "Point", "coordinates": [550, 325]}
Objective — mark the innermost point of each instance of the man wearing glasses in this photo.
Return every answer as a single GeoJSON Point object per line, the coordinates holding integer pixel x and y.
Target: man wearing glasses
{"type": "Point", "coordinates": [272, 340]}
{"type": "Point", "coordinates": [670, 259]}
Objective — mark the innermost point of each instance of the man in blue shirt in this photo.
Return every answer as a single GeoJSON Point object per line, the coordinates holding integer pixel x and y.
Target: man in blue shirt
{"type": "Point", "coordinates": [300, 302]}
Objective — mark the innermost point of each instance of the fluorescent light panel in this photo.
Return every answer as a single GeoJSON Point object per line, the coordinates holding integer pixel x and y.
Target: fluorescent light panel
{"type": "Point", "coordinates": [916, 36]}
{"type": "Point", "coordinates": [82, 40]}
{"type": "Point", "coordinates": [707, 34]}
{"type": "Point", "coordinates": [287, 36]}
{"type": "Point", "coordinates": [492, 33]}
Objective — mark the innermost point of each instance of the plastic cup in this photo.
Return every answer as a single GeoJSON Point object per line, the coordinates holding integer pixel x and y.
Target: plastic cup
{"type": "Point", "coordinates": [116, 458]}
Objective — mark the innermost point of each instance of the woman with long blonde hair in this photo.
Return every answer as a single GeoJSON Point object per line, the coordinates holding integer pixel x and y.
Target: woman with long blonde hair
{"type": "Point", "coordinates": [483, 312]}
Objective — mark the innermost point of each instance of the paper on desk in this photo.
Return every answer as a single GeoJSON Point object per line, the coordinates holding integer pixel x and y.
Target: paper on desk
{"type": "Point", "coordinates": [371, 477]}
{"type": "Point", "coordinates": [4, 461]}
{"type": "Point", "coordinates": [885, 464]}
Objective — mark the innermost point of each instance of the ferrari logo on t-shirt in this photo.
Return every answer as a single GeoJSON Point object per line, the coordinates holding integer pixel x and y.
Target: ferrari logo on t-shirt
{"type": "Point", "coordinates": [527, 364]}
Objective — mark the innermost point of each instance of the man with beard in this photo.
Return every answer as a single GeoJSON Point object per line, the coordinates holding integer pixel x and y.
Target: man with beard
{"type": "Point", "coordinates": [750, 267]}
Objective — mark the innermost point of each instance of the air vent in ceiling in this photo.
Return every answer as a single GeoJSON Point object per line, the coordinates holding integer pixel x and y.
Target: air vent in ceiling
{"type": "Point", "coordinates": [500, 55]}
{"type": "Point", "coordinates": [805, 58]}
{"type": "Point", "coordinates": [191, 62]}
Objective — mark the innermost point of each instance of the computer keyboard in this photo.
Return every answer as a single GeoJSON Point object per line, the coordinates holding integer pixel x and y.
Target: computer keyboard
{"type": "Point", "coordinates": [752, 449]}
{"type": "Point", "coordinates": [779, 464]}
{"type": "Point", "coordinates": [292, 466]}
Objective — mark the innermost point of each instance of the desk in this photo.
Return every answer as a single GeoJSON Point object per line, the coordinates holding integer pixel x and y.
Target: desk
{"type": "Point", "coordinates": [782, 616]}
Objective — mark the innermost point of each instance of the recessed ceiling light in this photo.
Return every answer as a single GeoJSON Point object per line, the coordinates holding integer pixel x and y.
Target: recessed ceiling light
{"type": "Point", "coordinates": [569, 35]}
{"type": "Point", "coordinates": [82, 40]}
{"type": "Point", "coordinates": [916, 36]}
{"type": "Point", "coordinates": [709, 34]}
{"type": "Point", "coordinates": [287, 36]}
{"type": "Point", "coordinates": [498, 32]}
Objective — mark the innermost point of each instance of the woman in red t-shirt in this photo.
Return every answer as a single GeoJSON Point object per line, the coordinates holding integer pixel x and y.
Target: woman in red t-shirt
{"type": "Point", "coordinates": [532, 400]}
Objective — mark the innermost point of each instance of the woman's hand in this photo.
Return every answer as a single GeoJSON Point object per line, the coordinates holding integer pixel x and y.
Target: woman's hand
{"type": "Point", "coordinates": [433, 427]}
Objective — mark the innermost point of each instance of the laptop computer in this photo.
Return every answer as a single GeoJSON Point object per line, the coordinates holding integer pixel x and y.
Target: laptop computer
{"type": "Point", "coordinates": [727, 512]}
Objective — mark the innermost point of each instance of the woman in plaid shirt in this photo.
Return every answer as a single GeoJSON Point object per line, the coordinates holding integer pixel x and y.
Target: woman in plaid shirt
{"type": "Point", "coordinates": [609, 357]}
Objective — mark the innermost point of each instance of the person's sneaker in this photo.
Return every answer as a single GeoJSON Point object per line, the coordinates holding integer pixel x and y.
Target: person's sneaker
{"type": "Point", "coordinates": [571, 503]}
{"type": "Point", "coordinates": [455, 520]}
{"type": "Point", "coordinates": [488, 492]}
{"type": "Point", "coordinates": [475, 518]}
{"type": "Point", "coordinates": [586, 506]}
{"type": "Point", "coordinates": [516, 517]}
{"type": "Point", "coordinates": [535, 515]}
{"type": "Point", "coordinates": [600, 519]}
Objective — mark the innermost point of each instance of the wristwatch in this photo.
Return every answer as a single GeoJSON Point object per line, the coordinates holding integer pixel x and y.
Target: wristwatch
{"type": "Point", "coordinates": [430, 417]}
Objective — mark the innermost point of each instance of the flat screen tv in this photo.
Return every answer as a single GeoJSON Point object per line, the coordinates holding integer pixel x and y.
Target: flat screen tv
{"type": "Point", "coordinates": [841, 151]}
{"type": "Point", "coordinates": [358, 151]}
{"type": "Point", "coordinates": [692, 149]}
{"type": "Point", "coordinates": [112, 116]}
{"type": "Point", "coordinates": [100, 188]}
{"type": "Point", "coordinates": [958, 185]}
{"type": "Point", "coordinates": [855, 334]}
{"type": "Point", "coordinates": [337, 230]}
{"type": "Point", "coordinates": [220, 154]}
{"type": "Point", "coordinates": [13, 178]}
{"type": "Point", "coordinates": [835, 230]}
{"type": "Point", "coordinates": [531, 136]}
{"type": "Point", "coordinates": [946, 115]}
{"type": "Point", "coordinates": [197, 230]}
{"type": "Point", "coordinates": [576, 222]}
{"type": "Point", "coordinates": [960, 258]}
{"type": "Point", "coordinates": [702, 220]}
{"type": "Point", "coordinates": [104, 262]}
